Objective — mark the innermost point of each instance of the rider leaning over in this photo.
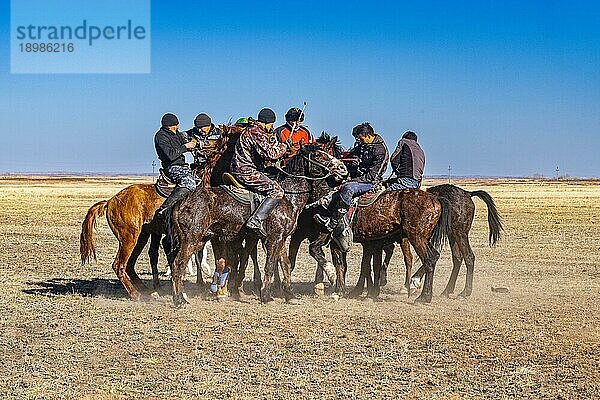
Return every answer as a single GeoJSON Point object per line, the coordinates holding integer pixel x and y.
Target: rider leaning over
{"type": "Point", "coordinates": [372, 154]}
{"type": "Point", "coordinates": [257, 145]}
{"type": "Point", "coordinates": [207, 135]}
{"type": "Point", "coordinates": [170, 145]}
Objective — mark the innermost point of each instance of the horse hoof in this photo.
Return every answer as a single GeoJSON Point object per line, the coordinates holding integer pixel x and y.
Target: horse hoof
{"type": "Point", "coordinates": [368, 299]}
{"type": "Point", "coordinates": [266, 299]}
{"type": "Point", "coordinates": [423, 299]}
{"type": "Point", "coordinates": [415, 283]}
{"type": "Point", "coordinates": [445, 294]}
{"type": "Point", "coordinates": [293, 301]}
{"type": "Point", "coordinates": [155, 295]}
{"type": "Point", "coordinates": [329, 270]}
{"type": "Point", "coordinates": [354, 294]}
{"type": "Point", "coordinates": [222, 299]}
{"type": "Point", "coordinates": [319, 289]}
{"type": "Point", "coordinates": [334, 296]}
{"type": "Point", "coordinates": [382, 280]}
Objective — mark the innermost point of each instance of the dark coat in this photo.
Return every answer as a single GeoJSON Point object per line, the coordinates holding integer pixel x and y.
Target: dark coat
{"type": "Point", "coordinates": [408, 160]}
{"type": "Point", "coordinates": [205, 140]}
{"type": "Point", "coordinates": [170, 147]}
{"type": "Point", "coordinates": [254, 147]}
{"type": "Point", "coordinates": [372, 160]}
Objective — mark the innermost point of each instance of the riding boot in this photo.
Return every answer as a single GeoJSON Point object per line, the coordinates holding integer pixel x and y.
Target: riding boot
{"type": "Point", "coordinates": [341, 232]}
{"type": "Point", "coordinates": [177, 194]}
{"type": "Point", "coordinates": [336, 209]}
{"type": "Point", "coordinates": [255, 222]}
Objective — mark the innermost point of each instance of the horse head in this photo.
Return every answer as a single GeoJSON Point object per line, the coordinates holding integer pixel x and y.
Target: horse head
{"type": "Point", "coordinates": [318, 163]}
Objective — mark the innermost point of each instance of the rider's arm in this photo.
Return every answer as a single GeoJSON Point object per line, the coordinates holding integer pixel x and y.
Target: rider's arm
{"type": "Point", "coordinates": [270, 148]}
{"type": "Point", "coordinates": [171, 149]}
{"type": "Point", "coordinates": [395, 159]}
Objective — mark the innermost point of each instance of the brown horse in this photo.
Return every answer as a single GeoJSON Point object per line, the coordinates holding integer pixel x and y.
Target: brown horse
{"type": "Point", "coordinates": [462, 212]}
{"type": "Point", "coordinates": [212, 213]}
{"type": "Point", "coordinates": [409, 215]}
{"type": "Point", "coordinates": [130, 216]}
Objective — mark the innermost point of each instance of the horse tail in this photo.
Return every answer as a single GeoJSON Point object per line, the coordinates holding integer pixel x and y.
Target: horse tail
{"type": "Point", "coordinates": [494, 220]}
{"type": "Point", "coordinates": [442, 228]}
{"type": "Point", "coordinates": [86, 240]}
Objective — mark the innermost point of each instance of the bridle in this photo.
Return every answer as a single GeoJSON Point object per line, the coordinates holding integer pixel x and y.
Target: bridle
{"type": "Point", "coordinates": [314, 162]}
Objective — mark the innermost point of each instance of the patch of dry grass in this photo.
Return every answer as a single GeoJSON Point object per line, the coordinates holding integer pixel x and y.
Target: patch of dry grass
{"type": "Point", "coordinates": [69, 331]}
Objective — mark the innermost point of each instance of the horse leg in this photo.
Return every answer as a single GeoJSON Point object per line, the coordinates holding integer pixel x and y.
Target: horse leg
{"type": "Point", "coordinates": [295, 242]}
{"type": "Point", "coordinates": [178, 267]}
{"type": "Point", "coordinates": [273, 247]}
{"type": "Point", "coordinates": [408, 263]}
{"type": "Point", "coordinates": [237, 255]}
{"type": "Point", "coordinates": [287, 277]}
{"type": "Point", "coordinates": [388, 249]}
{"type": "Point", "coordinates": [315, 249]}
{"type": "Point", "coordinates": [429, 255]}
{"type": "Point", "coordinates": [470, 263]}
{"type": "Point", "coordinates": [257, 274]}
{"type": "Point", "coordinates": [365, 275]}
{"type": "Point", "coordinates": [456, 262]}
{"type": "Point", "coordinates": [126, 246]}
{"type": "Point", "coordinates": [204, 265]}
{"type": "Point", "coordinates": [376, 251]}
{"type": "Point", "coordinates": [200, 258]}
{"type": "Point", "coordinates": [131, 260]}
{"type": "Point", "coordinates": [339, 261]}
{"type": "Point", "coordinates": [249, 251]}
{"type": "Point", "coordinates": [153, 255]}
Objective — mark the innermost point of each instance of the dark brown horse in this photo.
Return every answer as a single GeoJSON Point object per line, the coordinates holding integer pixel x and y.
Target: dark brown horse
{"type": "Point", "coordinates": [213, 214]}
{"type": "Point", "coordinates": [130, 216]}
{"type": "Point", "coordinates": [462, 212]}
{"type": "Point", "coordinates": [409, 215]}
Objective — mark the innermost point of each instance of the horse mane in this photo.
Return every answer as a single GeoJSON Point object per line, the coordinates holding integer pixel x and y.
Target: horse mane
{"type": "Point", "coordinates": [325, 139]}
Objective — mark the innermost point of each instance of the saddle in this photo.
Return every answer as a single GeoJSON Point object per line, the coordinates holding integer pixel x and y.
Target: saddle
{"type": "Point", "coordinates": [164, 186]}
{"type": "Point", "coordinates": [371, 196]}
{"type": "Point", "coordinates": [239, 193]}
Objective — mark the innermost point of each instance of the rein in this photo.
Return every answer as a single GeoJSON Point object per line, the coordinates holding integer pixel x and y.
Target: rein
{"type": "Point", "coordinates": [318, 164]}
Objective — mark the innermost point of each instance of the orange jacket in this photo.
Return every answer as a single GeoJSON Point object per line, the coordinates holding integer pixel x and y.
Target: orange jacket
{"type": "Point", "coordinates": [300, 135]}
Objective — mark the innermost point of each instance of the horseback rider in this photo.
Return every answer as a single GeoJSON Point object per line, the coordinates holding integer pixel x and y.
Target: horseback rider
{"type": "Point", "coordinates": [408, 163]}
{"type": "Point", "coordinates": [207, 134]}
{"type": "Point", "coordinates": [293, 130]}
{"type": "Point", "coordinates": [257, 145]}
{"type": "Point", "coordinates": [170, 145]}
{"type": "Point", "coordinates": [372, 154]}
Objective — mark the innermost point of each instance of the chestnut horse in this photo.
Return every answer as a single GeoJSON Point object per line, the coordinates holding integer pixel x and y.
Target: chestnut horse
{"type": "Point", "coordinates": [130, 216]}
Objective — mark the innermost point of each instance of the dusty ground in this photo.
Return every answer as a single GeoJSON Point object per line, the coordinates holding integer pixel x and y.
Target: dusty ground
{"type": "Point", "coordinates": [68, 331]}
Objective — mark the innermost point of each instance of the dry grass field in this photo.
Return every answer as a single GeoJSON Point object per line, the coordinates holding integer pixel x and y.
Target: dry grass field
{"type": "Point", "coordinates": [68, 331]}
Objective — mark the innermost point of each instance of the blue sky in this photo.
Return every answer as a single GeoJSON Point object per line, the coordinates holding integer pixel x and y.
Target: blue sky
{"type": "Point", "coordinates": [492, 89]}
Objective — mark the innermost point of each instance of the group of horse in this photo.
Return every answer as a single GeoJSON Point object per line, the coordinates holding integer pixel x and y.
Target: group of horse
{"type": "Point", "coordinates": [410, 217]}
